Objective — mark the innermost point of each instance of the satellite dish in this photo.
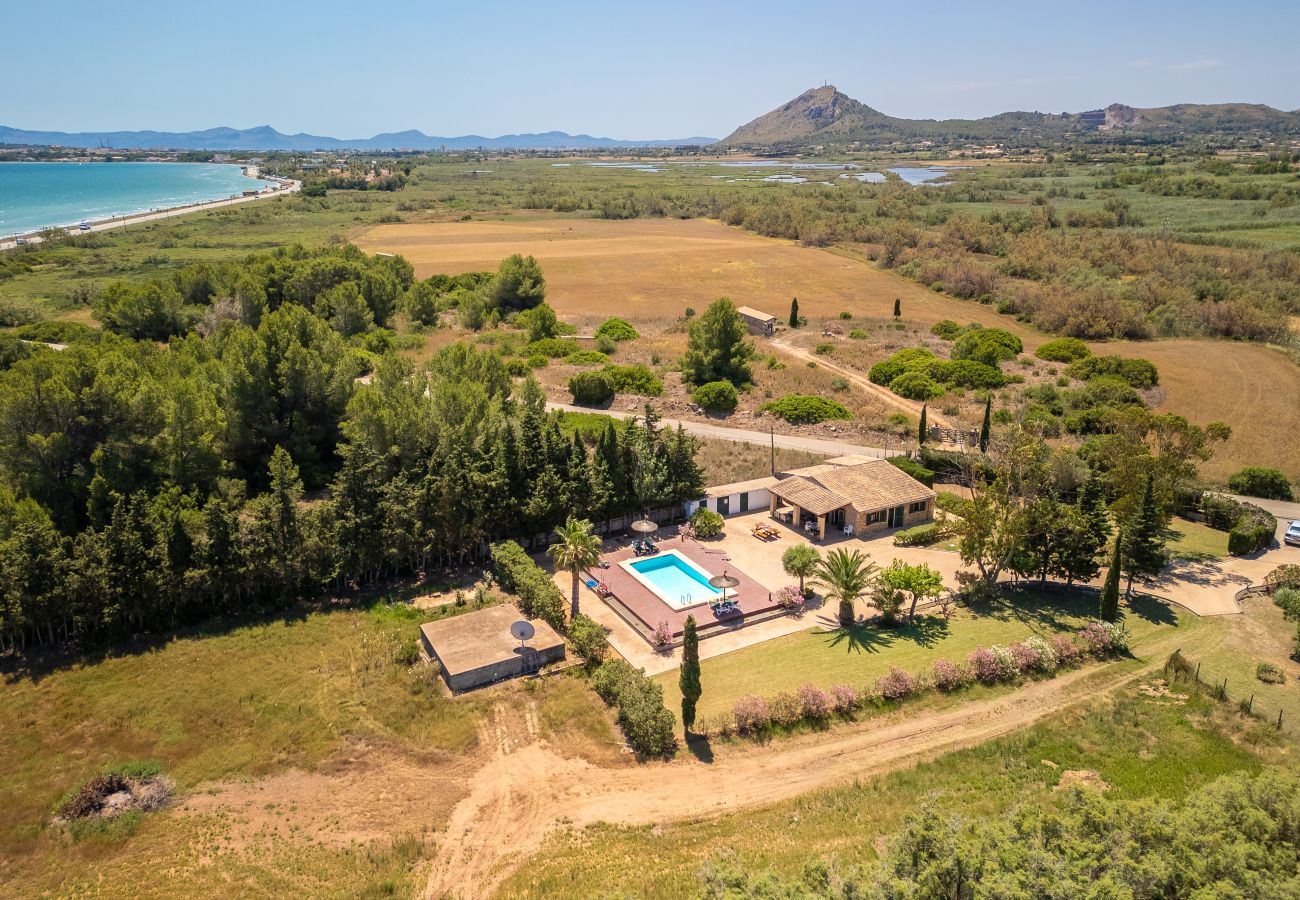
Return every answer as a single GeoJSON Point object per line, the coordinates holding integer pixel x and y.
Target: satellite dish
{"type": "Point", "coordinates": [522, 630]}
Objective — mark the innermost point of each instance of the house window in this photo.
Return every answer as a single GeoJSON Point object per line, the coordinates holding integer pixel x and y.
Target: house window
{"type": "Point", "coordinates": [878, 516]}
{"type": "Point", "coordinates": [916, 507]}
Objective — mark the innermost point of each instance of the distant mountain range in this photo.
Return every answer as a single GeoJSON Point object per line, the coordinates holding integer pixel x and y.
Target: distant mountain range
{"type": "Point", "coordinates": [824, 115]}
{"type": "Point", "coordinates": [267, 138]}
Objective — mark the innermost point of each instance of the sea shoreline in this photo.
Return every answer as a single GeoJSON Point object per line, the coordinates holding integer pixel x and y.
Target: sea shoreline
{"type": "Point", "coordinates": [285, 186]}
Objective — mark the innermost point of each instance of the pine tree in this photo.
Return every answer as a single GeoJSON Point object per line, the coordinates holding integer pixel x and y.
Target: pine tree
{"type": "Point", "coordinates": [1145, 552]}
{"type": "Point", "coordinates": [921, 428]}
{"type": "Point", "coordinates": [898, 307]}
{"type": "Point", "coordinates": [689, 677]}
{"type": "Point", "coordinates": [1110, 591]}
{"type": "Point", "coordinates": [794, 312]}
{"type": "Point", "coordinates": [984, 426]}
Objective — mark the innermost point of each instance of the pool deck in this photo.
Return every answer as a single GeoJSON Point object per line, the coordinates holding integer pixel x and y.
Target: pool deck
{"type": "Point", "coordinates": [751, 597]}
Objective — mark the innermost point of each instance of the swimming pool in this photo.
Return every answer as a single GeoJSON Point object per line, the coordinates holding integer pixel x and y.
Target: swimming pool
{"type": "Point", "coordinates": [673, 578]}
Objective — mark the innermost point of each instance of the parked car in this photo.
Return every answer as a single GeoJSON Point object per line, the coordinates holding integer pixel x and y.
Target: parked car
{"type": "Point", "coordinates": [1292, 535]}
{"type": "Point", "coordinates": [20, 241]}
{"type": "Point", "coordinates": [84, 226]}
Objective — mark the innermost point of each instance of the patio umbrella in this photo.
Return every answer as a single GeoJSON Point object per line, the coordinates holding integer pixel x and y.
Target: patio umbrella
{"type": "Point", "coordinates": [644, 526]}
{"type": "Point", "coordinates": [725, 582]}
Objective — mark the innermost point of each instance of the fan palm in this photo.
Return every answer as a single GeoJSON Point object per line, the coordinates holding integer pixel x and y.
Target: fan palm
{"type": "Point", "coordinates": [845, 575]}
{"type": "Point", "coordinates": [577, 549]}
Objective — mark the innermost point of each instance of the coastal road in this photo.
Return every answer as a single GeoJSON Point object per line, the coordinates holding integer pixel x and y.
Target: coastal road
{"type": "Point", "coordinates": [104, 225]}
{"type": "Point", "coordinates": [746, 436]}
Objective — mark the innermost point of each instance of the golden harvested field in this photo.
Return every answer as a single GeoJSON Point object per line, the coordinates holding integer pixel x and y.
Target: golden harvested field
{"type": "Point", "coordinates": [655, 268]}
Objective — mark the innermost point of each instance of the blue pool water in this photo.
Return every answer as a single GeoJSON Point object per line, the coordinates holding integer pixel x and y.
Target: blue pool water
{"type": "Point", "coordinates": [676, 581]}
{"type": "Point", "coordinates": [35, 195]}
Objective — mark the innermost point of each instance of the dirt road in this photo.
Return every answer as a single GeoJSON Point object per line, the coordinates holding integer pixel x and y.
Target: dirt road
{"type": "Point", "coordinates": [522, 796]}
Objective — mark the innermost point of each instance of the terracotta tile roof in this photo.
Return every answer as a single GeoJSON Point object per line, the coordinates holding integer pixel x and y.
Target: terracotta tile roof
{"type": "Point", "coordinates": [750, 312]}
{"type": "Point", "coordinates": [867, 486]}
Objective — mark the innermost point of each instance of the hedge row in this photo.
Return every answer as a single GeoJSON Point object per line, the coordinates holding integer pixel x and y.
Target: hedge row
{"type": "Point", "coordinates": [516, 572]}
{"type": "Point", "coordinates": [646, 723]}
{"type": "Point", "coordinates": [1033, 657]}
{"type": "Point", "coordinates": [919, 536]}
{"type": "Point", "coordinates": [1249, 527]}
{"type": "Point", "coordinates": [915, 469]}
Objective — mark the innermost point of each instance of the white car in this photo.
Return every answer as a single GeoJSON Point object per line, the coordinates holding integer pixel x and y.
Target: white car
{"type": "Point", "coordinates": [1292, 535]}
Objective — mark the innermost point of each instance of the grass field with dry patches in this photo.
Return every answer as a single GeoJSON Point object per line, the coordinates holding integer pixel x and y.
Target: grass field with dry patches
{"type": "Point", "coordinates": [655, 268]}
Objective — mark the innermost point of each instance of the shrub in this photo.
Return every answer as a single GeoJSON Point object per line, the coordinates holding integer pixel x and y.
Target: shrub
{"type": "Point", "coordinates": [1269, 673]}
{"type": "Point", "coordinates": [949, 676]}
{"type": "Point", "coordinates": [605, 345]}
{"type": "Point", "coordinates": [983, 665]}
{"type": "Point", "coordinates": [909, 359]}
{"type": "Point", "coordinates": [801, 409]}
{"type": "Point", "coordinates": [591, 388]}
{"type": "Point", "coordinates": [844, 698]}
{"type": "Point", "coordinates": [587, 636]}
{"type": "Point", "coordinates": [1066, 350]}
{"type": "Point", "coordinates": [858, 334]}
{"type": "Point", "coordinates": [790, 598]}
{"type": "Point", "coordinates": [946, 329]}
{"type": "Point", "coordinates": [617, 329]}
{"type": "Point", "coordinates": [785, 709]}
{"type": "Point", "coordinates": [1254, 481]}
{"type": "Point", "coordinates": [987, 345]}
{"type": "Point", "coordinates": [1140, 373]}
{"type": "Point", "coordinates": [1005, 661]}
{"type": "Point", "coordinates": [516, 572]}
{"type": "Point", "coordinates": [517, 368]}
{"type": "Point", "coordinates": [537, 361]}
{"type": "Point", "coordinates": [913, 468]}
{"type": "Point", "coordinates": [966, 373]}
{"type": "Point", "coordinates": [716, 396]}
{"type": "Point", "coordinates": [609, 680]}
{"type": "Point", "coordinates": [1103, 639]}
{"type": "Point", "coordinates": [1067, 649]}
{"type": "Point", "coordinates": [845, 314]}
{"type": "Point", "coordinates": [646, 724]}
{"type": "Point", "coordinates": [814, 704]}
{"type": "Point", "coordinates": [824, 349]}
{"type": "Point", "coordinates": [1045, 659]}
{"type": "Point", "coordinates": [919, 536]}
{"type": "Point", "coordinates": [662, 636]}
{"type": "Point", "coordinates": [916, 386]}
{"type": "Point", "coordinates": [897, 685]}
{"type": "Point", "coordinates": [634, 379]}
{"type": "Point", "coordinates": [586, 358]}
{"type": "Point", "coordinates": [751, 713]}
{"type": "Point", "coordinates": [706, 523]}
{"type": "Point", "coordinates": [1284, 577]}
{"type": "Point", "coordinates": [555, 348]}
{"type": "Point", "coordinates": [1246, 539]}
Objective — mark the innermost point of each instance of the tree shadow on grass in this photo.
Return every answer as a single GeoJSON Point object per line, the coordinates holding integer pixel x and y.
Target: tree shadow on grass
{"type": "Point", "coordinates": [858, 638]}
{"type": "Point", "coordinates": [1056, 607]}
{"type": "Point", "coordinates": [699, 746]}
{"type": "Point", "coordinates": [925, 631]}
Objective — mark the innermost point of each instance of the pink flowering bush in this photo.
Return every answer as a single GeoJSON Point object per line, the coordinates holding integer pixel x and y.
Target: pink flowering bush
{"type": "Point", "coordinates": [790, 598]}
{"type": "Point", "coordinates": [949, 676]}
{"type": "Point", "coordinates": [751, 713]}
{"type": "Point", "coordinates": [1044, 656]}
{"type": "Point", "coordinates": [982, 665]}
{"type": "Point", "coordinates": [1067, 649]}
{"type": "Point", "coordinates": [785, 709]}
{"type": "Point", "coordinates": [662, 636]}
{"type": "Point", "coordinates": [844, 698]}
{"type": "Point", "coordinates": [1102, 639]}
{"type": "Point", "coordinates": [1025, 658]}
{"type": "Point", "coordinates": [1006, 663]}
{"type": "Point", "coordinates": [814, 703]}
{"type": "Point", "coordinates": [896, 685]}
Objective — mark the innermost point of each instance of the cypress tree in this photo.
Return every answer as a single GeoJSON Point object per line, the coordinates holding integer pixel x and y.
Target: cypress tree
{"type": "Point", "coordinates": [1110, 591]}
{"type": "Point", "coordinates": [898, 307]}
{"type": "Point", "coordinates": [794, 312]}
{"type": "Point", "coordinates": [920, 429]}
{"type": "Point", "coordinates": [984, 426]}
{"type": "Point", "coordinates": [1145, 552]}
{"type": "Point", "coordinates": [689, 677]}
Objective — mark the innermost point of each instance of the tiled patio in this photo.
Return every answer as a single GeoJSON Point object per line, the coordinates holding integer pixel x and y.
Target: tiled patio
{"type": "Point", "coordinates": [632, 597]}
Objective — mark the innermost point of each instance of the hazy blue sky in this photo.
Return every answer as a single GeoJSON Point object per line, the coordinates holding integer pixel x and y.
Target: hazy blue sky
{"type": "Point", "coordinates": [646, 70]}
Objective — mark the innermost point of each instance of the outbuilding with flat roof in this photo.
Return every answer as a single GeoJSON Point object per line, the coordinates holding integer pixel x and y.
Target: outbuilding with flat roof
{"type": "Point", "coordinates": [477, 649]}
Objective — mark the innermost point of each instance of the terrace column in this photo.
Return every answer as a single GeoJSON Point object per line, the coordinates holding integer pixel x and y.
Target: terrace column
{"type": "Point", "coordinates": [771, 504]}
{"type": "Point", "coordinates": [821, 528]}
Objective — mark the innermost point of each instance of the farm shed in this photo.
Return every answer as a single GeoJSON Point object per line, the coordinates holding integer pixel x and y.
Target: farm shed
{"type": "Point", "coordinates": [476, 649]}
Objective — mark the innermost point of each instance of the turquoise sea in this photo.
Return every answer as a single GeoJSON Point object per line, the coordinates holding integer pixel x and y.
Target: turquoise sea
{"type": "Point", "coordinates": [35, 195]}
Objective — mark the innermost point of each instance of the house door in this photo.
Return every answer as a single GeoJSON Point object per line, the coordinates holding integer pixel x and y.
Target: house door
{"type": "Point", "coordinates": [724, 506]}
{"type": "Point", "coordinates": [896, 517]}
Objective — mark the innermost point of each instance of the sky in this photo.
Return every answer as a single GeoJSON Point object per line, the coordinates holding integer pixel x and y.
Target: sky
{"type": "Point", "coordinates": [628, 70]}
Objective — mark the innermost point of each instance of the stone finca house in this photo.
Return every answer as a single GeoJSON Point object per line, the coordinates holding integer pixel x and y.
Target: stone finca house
{"type": "Point", "coordinates": [758, 322]}
{"type": "Point", "coordinates": [852, 495]}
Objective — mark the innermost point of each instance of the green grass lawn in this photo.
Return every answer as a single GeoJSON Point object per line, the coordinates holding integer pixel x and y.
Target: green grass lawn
{"type": "Point", "coordinates": [1194, 540]}
{"type": "Point", "coordinates": [859, 655]}
{"type": "Point", "coordinates": [1140, 746]}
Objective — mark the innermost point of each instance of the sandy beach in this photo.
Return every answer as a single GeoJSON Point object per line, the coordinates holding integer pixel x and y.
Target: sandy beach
{"type": "Point", "coordinates": [287, 186]}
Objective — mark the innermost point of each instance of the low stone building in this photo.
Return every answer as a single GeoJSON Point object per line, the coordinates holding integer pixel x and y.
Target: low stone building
{"type": "Point", "coordinates": [853, 494]}
{"type": "Point", "coordinates": [477, 649]}
{"type": "Point", "coordinates": [758, 322]}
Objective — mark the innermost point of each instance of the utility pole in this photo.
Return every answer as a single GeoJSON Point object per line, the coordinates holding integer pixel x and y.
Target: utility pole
{"type": "Point", "coordinates": [771, 433]}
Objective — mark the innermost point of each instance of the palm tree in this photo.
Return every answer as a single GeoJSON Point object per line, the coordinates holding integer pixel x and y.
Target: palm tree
{"type": "Point", "coordinates": [578, 549]}
{"type": "Point", "coordinates": [846, 575]}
